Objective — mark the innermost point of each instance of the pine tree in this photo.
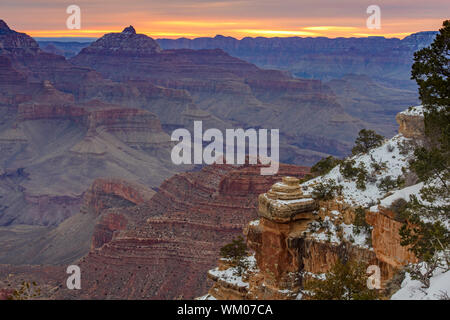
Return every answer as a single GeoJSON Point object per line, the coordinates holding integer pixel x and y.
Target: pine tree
{"type": "Point", "coordinates": [425, 232]}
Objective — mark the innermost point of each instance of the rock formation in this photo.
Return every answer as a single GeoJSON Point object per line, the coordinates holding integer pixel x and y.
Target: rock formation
{"type": "Point", "coordinates": [286, 254]}
{"type": "Point", "coordinates": [108, 139]}
{"type": "Point", "coordinates": [411, 123]}
{"type": "Point", "coordinates": [284, 216]}
{"type": "Point", "coordinates": [126, 43]}
{"type": "Point", "coordinates": [386, 239]}
{"type": "Point", "coordinates": [63, 126]}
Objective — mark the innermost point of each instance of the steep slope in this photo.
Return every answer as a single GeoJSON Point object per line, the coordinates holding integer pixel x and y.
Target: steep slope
{"type": "Point", "coordinates": [173, 107]}
{"type": "Point", "coordinates": [73, 238]}
{"type": "Point", "coordinates": [181, 228]}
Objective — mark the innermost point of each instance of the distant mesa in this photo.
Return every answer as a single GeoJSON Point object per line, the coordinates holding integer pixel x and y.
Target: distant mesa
{"type": "Point", "coordinates": [130, 30]}
{"type": "Point", "coordinates": [127, 42]}
{"type": "Point", "coordinates": [4, 26]}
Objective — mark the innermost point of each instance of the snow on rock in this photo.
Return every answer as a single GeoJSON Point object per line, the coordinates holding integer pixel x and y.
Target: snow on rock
{"type": "Point", "coordinates": [388, 153]}
{"type": "Point", "coordinates": [206, 297]}
{"type": "Point", "coordinates": [413, 111]}
{"type": "Point", "coordinates": [404, 194]}
{"type": "Point", "coordinates": [231, 275]}
{"type": "Point", "coordinates": [332, 229]}
{"type": "Point", "coordinates": [279, 202]}
{"type": "Point", "coordinates": [412, 289]}
{"type": "Point", "coordinates": [357, 239]}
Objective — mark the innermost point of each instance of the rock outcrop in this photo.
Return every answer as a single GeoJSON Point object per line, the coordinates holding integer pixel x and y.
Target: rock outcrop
{"type": "Point", "coordinates": [99, 216]}
{"type": "Point", "coordinates": [295, 239]}
{"type": "Point", "coordinates": [92, 133]}
{"type": "Point", "coordinates": [126, 43]}
{"type": "Point", "coordinates": [386, 239]}
{"type": "Point", "coordinates": [411, 123]}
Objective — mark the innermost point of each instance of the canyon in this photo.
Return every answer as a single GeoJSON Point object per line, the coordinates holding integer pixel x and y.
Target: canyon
{"type": "Point", "coordinates": [86, 176]}
{"type": "Point", "coordinates": [237, 92]}
{"type": "Point", "coordinates": [139, 244]}
{"type": "Point", "coordinates": [370, 76]}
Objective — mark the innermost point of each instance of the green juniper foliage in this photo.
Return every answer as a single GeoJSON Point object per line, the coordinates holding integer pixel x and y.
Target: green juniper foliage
{"type": "Point", "coordinates": [324, 166]}
{"type": "Point", "coordinates": [326, 190]}
{"type": "Point", "coordinates": [236, 252]}
{"type": "Point", "coordinates": [425, 232]}
{"type": "Point", "coordinates": [366, 140]}
{"type": "Point", "coordinates": [359, 223]}
{"type": "Point", "coordinates": [345, 281]}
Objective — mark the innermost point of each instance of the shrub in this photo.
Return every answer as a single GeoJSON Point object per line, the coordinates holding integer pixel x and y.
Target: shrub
{"type": "Point", "coordinates": [359, 223]}
{"type": "Point", "coordinates": [345, 281]}
{"type": "Point", "coordinates": [347, 169]}
{"type": "Point", "coordinates": [387, 183]}
{"type": "Point", "coordinates": [26, 291]}
{"type": "Point", "coordinates": [378, 166]}
{"type": "Point", "coordinates": [326, 190]}
{"type": "Point", "coordinates": [406, 147]}
{"type": "Point", "coordinates": [366, 140]}
{"type": "Point", "coordinates": [398, 207]}
{"type": "Point", "coordinates": [236, 252]}
{"type": "Point", "coordinates": [424, 239]}
{"type": "Point", "coordinates": [361, 177]}
{"type": "Point", "coordinates": [324, 166]}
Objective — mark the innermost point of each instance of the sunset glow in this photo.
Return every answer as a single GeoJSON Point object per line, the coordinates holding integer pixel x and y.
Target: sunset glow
{"type": "Point", "coordinates": [236, 18]}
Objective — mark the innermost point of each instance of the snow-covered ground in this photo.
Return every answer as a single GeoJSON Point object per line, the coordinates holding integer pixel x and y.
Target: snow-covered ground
{"type": "Point", "coordinates": [332, 230]}
{"type": "Point", "coordinates": [206, 297]}
{"type": "Point", "coordinates": [392, 154]}
{"type": "Point", "coordinates": [412, 289]}
{"type": "Point", "coordinates": [231, 276]}
{"type": "Point", "coordinates": [388, 153]}
{"type": "Point", "coordinates": [414, 111]}
{"type": "Point", "coordinates": [404, 194]}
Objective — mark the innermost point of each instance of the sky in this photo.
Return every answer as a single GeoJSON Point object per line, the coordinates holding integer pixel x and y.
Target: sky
{"type": "Point", "coordinates": [237, 18]}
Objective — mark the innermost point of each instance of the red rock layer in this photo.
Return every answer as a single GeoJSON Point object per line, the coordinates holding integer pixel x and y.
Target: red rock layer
{"type": "Point", "coordinates": [386, 238]}
{"type": "Point", "coordinates": [171, 241]}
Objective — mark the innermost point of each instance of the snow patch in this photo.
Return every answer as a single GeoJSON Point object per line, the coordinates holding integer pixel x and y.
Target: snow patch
{"type": "Point", "coordinates": [394, 160]}
{"type": "Point", "coordinates": [414, 111]}
{"type": "Point", "coordinates": [412, 289]}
